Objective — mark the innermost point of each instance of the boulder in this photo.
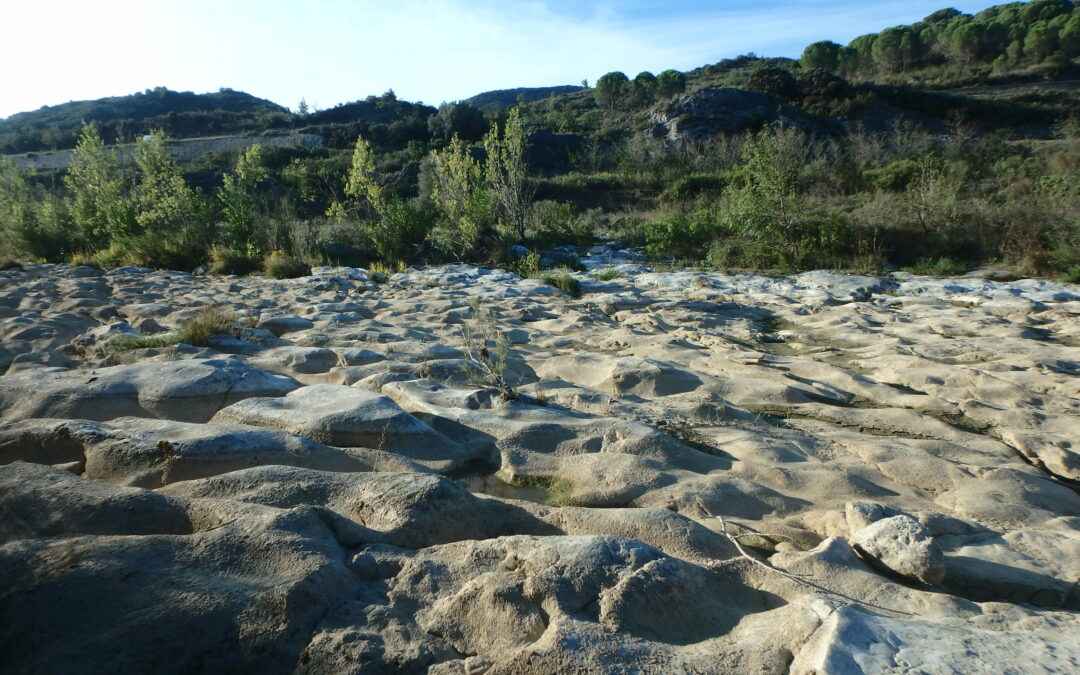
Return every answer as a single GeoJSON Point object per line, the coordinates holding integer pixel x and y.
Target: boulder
{"type": "Point", "coordinates": [902, 545]}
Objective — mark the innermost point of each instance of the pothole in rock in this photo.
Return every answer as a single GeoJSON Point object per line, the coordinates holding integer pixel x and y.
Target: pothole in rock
{"type": "Point", "coordinates": [537, 491]}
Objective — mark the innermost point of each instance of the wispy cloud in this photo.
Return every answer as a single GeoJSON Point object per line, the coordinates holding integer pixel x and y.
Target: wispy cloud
{"type": "Point", "coordinates": [332, 51]}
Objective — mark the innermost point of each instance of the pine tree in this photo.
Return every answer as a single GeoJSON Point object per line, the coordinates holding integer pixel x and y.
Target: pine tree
{"type": "Point", "coordinates": [238, 206]}
{"type": "Point", "coordinates": [164, 203]}
{"type": "Point", "coordinates": [98, 203]}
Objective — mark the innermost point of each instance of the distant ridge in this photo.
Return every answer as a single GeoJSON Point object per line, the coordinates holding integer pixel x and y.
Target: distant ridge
{"type": "Point", "coordinates": [180, 113]}
{"type": "Point", "coordinates": [501, 99]}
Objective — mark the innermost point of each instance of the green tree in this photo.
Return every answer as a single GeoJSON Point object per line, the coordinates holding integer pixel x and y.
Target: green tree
{"type": "Point", "coordinates": [16, 198]}
{"type": "Point", "coordinates": [765, 203]}
{"type": "Point", "coordinates": [942, 15]}
{"type": "Point", "coordinates": [164, 203]}
{"type": "Point", "coordinates": [858, 56]}
{"type": "Point", "coordinates": [507, 174]}
{"type": "Point", "coordinates": [395, 224]}
{"type": "Point", "coordinates": [612, 90]}
{"type": "Point", "coordinates": [896, 49]}
{"type": "Point", "coordinates": [1041, 41]}
{"type": "Point", "coordinates": [824, 55]}
{"type": "Point", "coordinates": [670, 83]}
{"type": "Point", "coordinates": [237, 196]}
{"type": "Point", "coordinates": [462, 196]}
{"type": "Point", "coordinates": [1044, 10]}
{"type": "Point", "coordinates": [360, 182]}
{"type": "Point", "coordinates": [33, 223]}
{"type": "Point", "coordinates": [457, 119]}
{"type": "Point", "coordinates": [645, 87]}
{"type": "Point", "coordinates": [965, 40]}
{"type": "Point", "coordinates": [1070, 36]}
{"type": "Point", "coordinates": [98, 202]}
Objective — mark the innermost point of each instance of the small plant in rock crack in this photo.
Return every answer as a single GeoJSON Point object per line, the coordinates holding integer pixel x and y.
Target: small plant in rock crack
{"type": "Point", "coordinates": [486, 349]}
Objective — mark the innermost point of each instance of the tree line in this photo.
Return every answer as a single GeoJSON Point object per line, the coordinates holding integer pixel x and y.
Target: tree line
{"type": "Point", "coordinates": [1006, 37]}
{"type": "Point", "coordinates": [109, 214]}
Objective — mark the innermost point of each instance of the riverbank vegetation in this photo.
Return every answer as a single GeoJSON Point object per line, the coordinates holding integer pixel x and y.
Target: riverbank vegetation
{"type": "Point", "coordinates": [952, 139]}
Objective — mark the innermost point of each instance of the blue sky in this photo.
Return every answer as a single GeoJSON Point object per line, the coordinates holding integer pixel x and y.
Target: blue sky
{"type": "Point", "coordinates": [334, 51]}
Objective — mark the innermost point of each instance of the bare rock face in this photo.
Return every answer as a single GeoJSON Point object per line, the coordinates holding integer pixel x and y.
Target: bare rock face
{"type": "Point", "coordinates": [186, 391]}
{"type": "Point", "coordinates": [202, 585]}
{"type": "Point", "coordinates": [717, 110]}
{"type": "Point", "coordinates": [853, 640]}
{"type": "Point", "coordinates": [344, 416]}
{"type": "Point", "coordinates": [903, 546]}
{"type": "Point", "coordinates": [668, 481]}
{"type": "Point", "coordinates": [151, 453]}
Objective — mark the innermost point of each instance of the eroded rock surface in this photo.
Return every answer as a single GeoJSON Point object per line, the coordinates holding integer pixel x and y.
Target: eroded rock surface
{"type": "Point", "coordinates": [700, 472]}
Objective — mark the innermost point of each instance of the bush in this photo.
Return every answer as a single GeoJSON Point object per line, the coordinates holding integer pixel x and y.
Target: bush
{"type": "Point", "coordinates": [772, 80]}
{"type": "Point", "coordinates": [9, 263]}
{"type": "Point", "coordinates": [83, 259]}
{"type": "Point", "coordinates": [486, 349]}
{"type": "Point", "coordinates": [279, 265]}
{"type": "Point", "coordinates": [693, 186]}
{"type": "Point", "coordinates": [153, 251]}
{"type": "Point", "coordinates": [527, 265]}
{"type": "Point", "coordinates": [937, 267]}
{"type": "Point", "coordinates": [568, 261]}
{"type": "Point", "coordinates": [1071, 275]}
{"type": "Point", "coordinates": [819, 86]}
{"type": "Point", "coordinates": [380, 272]}
{"type": "Point", "coordinates": [551, 223]}
{"type": "Point", "coordinates": [231, 261]}
{"type": "Point", "coordinates": [682, 233]}
{"type": "Point", "coordinates": [45, 238]}
{"type": "Point", "coordinates": [562, 280]}
{"type": "Point", "coordinates": [894, 176]}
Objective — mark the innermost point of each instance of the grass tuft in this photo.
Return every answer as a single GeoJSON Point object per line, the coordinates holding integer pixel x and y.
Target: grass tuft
{"type": "Point", "coordinates": [196, 332]}
{"type": "Point", "coordinates": [560, 279]}
{"type": "Point", "coordinates": [231, 261]}
{"type": "Point", "coordinates": [937, 267]}
{"type": "Point", "coordinates": [280, 265]}
{"type": "Point", "coordinates": [560, 491]}
{"type": "Point", "coordinates": [607, 274]}
{"type": "Point", "coordinates": [380, 272]}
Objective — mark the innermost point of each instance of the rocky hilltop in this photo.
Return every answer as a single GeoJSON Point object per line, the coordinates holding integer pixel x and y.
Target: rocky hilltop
{"type": "Point", "coordinates": [675, 472]}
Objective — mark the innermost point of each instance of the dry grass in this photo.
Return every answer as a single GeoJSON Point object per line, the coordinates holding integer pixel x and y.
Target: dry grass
{"type": "Point", "coordinates": [280, 265]}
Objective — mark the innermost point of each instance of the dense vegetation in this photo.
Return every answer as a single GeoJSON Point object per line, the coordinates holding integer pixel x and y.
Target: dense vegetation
{"type": "Point", "coordinates": [947, 144]}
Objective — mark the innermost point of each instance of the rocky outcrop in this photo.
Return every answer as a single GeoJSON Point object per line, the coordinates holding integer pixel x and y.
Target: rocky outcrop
{"type": "Point", "coordinates": [707, 112]}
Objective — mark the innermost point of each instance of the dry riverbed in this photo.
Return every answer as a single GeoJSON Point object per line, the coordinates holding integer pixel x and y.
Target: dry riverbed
{"type": "Point", "coordinates": [700, 472]}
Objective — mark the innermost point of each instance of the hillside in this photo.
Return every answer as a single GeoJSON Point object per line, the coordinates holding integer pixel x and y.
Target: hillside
{"type": "Point", "coordinates": [507, 98]}
{"type": "Point", "coordinates": [123, 118]}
